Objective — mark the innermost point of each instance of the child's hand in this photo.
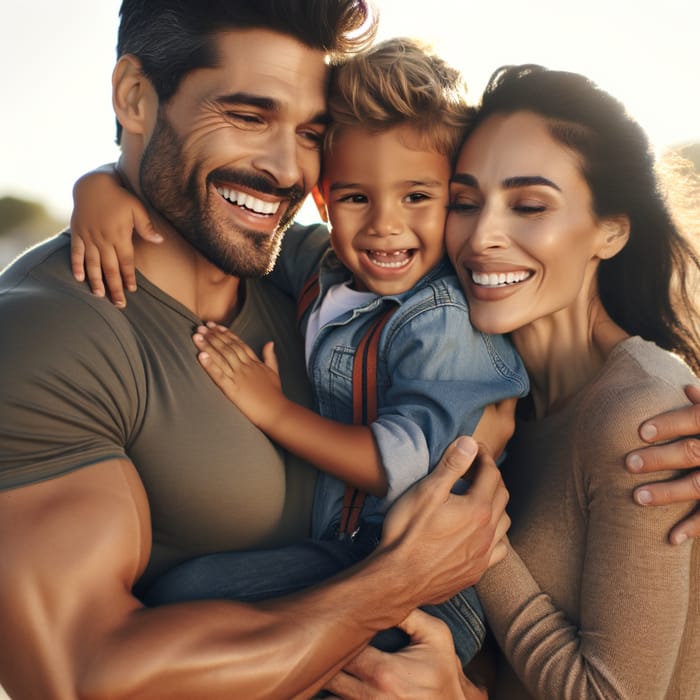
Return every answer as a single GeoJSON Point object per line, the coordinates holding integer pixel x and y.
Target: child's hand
{"type": "Point", "coordinates": [102, 223]}
{"type": "Point", "coordinates": [254, 386]}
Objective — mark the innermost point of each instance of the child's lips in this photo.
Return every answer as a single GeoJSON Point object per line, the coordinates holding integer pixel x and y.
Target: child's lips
{"type": "Point", "coordinates": [390, 259]}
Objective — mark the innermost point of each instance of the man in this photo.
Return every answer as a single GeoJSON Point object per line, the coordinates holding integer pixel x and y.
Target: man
{"type": "Point", "coordinates": [118, 458]}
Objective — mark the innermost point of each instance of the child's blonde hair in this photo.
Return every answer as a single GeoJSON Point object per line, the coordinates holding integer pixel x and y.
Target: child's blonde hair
{"type": "Point", "coordinates": [400, 82]}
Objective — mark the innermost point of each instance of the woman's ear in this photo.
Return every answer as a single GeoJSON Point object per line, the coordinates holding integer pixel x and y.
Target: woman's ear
{"type": "Point", "coordinates": [615, 234]}
{"type": "Point", "coordinates": [320, 203]}
{"type": "Point", "coordinates": [133, 97]}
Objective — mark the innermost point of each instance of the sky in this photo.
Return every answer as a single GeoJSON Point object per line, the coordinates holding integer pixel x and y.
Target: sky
{"type": "Point", "coordinates": [56, 58]}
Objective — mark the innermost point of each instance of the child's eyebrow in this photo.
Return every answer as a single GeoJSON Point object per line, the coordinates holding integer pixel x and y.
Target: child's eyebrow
{"type": "Point", "coordinates": [340, 185]}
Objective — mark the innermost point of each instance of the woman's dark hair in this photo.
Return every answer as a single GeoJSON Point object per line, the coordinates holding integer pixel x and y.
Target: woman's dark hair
{"type": "Point", "coordinates": [173, 37]}
{"type": "Point", "coordinates": [649, 288]}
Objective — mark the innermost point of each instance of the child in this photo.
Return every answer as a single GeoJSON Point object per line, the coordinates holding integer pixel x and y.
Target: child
{"type": "Point", "coordinates": [397, 116]}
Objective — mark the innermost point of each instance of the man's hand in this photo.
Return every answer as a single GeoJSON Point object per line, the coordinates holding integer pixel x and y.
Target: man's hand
{"type": "Point", "coordinates": [424, 670]}
{"type": "Point", "coordinates": [680, 454]}
{"type": "Point", "coordinates": [444, 542]}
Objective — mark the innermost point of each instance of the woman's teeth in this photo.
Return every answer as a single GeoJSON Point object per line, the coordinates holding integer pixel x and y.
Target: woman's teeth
{"type": "Point", "coordinates": [498, 279]}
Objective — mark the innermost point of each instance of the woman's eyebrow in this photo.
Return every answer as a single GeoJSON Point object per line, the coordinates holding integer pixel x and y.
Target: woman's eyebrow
{"type": "Point", "coordinates": [529, 181]}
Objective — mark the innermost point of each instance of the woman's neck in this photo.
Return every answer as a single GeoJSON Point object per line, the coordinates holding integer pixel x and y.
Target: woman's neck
{"type": "Point", "coordinates": [564, 351]}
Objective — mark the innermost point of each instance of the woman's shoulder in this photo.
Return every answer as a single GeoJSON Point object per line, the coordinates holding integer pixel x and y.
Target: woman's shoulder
{"type": "Point", "coordinates": [638, 381]}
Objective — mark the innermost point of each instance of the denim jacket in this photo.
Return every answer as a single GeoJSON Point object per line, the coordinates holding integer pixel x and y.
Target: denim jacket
{"type": "Point", "coordinates": [435, 372]}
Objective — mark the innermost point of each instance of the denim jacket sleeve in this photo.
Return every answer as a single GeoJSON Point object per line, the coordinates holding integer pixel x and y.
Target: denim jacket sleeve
{"type": "Point", "coordinates": [299, 258]}
{"type": "Point", "coordinates": [440, 375]}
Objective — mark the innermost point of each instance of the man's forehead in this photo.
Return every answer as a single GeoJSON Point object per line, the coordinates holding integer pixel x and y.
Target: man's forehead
{"type": "Point", "coordinates": [272, 53]}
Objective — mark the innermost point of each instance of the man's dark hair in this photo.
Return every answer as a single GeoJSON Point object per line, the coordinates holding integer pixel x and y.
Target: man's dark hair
{"type": "Point", "coordinates": [173, 37]}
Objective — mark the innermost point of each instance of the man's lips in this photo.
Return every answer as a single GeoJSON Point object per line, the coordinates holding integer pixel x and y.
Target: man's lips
{"type": "Point", "coordinates": [248, 201]}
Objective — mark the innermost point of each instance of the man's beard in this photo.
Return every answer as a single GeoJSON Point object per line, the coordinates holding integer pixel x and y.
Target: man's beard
{"type": "Point", "coordinates": [174, 193]}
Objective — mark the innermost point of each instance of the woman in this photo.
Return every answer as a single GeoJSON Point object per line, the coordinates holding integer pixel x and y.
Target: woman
{"type": "Point", "coordinates": [560, 237]}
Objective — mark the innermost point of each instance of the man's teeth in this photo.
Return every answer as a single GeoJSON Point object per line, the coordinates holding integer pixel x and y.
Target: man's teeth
{"type": "Point", "coordinates": [248, 201]}
{"type": "Point", "coordinates": [498, 279]}
{"type": "Point", "coordinates": [396, 258]}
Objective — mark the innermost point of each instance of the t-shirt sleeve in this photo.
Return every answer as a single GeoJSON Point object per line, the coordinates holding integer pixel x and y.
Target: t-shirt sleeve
{"type": "Point", "coordinates": [442, 375]}
{"type": "Point", "coordinates": [635, 587]}
{"type": "Point", "coordinates": [70, 396]}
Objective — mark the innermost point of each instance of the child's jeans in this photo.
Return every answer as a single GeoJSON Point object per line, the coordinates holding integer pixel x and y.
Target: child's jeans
{"type": "Point", "coordinates": [258, 575]}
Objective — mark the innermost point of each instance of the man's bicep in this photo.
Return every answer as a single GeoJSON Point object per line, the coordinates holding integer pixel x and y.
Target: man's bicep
{"type": "Point", "coordinates": [72, 548]}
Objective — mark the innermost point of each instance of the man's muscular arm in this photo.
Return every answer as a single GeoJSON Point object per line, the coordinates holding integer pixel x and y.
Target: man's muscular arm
{"type": "Point", "coordinates": [73, 547]}
{"type": "Point", "coordinates": [682, 426]}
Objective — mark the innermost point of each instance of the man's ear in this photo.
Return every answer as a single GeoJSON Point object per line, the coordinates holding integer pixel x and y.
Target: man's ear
{"type": "Point", "coordinates": [134, 100]}
{"type": "Point", "coordinates": [320, 203]}
{"type": "Point", "coordinates": [615, 234]}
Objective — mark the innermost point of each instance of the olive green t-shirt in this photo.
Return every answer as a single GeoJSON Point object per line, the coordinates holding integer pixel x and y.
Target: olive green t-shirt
{"type": "Point", "coordinates": [82, 381]}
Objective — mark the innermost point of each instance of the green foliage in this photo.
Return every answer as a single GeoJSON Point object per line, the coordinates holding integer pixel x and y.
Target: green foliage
{"type": "Point", "coordinates": [17, 213]}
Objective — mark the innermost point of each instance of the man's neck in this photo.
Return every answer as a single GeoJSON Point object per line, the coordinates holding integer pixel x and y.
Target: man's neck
{"type": "Point", "coordinates": [182, 273]}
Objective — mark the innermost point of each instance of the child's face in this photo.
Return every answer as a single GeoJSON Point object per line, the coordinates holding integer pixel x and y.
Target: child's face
{"type": "Point", "coordinates": [387, 203]}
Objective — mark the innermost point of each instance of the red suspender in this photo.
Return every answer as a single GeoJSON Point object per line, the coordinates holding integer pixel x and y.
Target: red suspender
{"type": "Point", "coordinates": [364, 392]}
{"type": "Point", "coordinates": [307, 296]}
{"type": "Point", "coordinates": [364, 410]}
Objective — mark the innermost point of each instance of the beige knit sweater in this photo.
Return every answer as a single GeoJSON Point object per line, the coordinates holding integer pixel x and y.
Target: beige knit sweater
{"type": "Point", "coordinates": [591, 601]}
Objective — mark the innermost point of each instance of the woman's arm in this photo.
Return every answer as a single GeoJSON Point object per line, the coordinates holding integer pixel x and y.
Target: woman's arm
{"type": "Point", "coordinates": [671, 451]}
{"type": "Point", "coordinates": [626, 638]}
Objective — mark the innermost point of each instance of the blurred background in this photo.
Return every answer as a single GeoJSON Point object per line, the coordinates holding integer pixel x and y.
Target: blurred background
{"type": "Point", "coordinates": [57, 122]}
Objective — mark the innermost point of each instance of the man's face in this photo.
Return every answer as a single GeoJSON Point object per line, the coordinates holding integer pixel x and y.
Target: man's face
{"type": "Point", "coordinates": [235, 151]}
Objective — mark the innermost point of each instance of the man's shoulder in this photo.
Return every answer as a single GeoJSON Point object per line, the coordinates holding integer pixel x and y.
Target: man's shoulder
{"type": "Point", "coordinates": [40, 285]}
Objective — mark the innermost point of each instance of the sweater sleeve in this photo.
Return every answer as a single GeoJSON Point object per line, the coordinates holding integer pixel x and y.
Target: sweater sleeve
{"type": "Point", "coordinates": [638, 594]}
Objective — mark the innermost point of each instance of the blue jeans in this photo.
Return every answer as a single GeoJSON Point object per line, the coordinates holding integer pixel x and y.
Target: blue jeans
{"type": "Point", "coordinates": [258, 575]}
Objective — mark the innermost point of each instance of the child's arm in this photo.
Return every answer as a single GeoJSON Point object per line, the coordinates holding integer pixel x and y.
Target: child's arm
{"type": "Point", "coordinates": [104, 217]}
{"type": "Point", "coordinates": [348, 452]}
{"type": "Point", "coordinates": [496, 426]}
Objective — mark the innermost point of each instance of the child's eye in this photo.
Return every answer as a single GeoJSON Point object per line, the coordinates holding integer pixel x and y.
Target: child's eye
{"type": "Point", "coordinates": [353, 198]}
{"type": "Point", "coordinates": [417, 197]}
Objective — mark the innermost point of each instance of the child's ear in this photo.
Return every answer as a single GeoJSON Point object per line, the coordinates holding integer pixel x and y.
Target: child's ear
{"type": "Point", "coordinates": [320, 203]}
{"type": "Point", "coordinates": [615, 234]}
{"type": "Point", "coordinates": [133, 97]}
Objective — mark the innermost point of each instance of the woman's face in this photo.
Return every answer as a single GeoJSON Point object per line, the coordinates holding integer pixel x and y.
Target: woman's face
{"type": "Point", "coordinates": [521, 232]}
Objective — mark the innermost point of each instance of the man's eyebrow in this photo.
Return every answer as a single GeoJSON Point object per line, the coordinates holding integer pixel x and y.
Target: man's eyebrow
{"type": "Point", "coordinates": [509, 183]}
{"type": "Point", "coordinates": [267, 104]}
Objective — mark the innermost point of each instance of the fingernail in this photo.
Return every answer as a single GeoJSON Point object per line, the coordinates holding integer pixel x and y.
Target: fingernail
{"type": "Point", "coordinates": [635, 463]}
{"type": "Point", "coordinates": [648, 432]}
{"type": "Point", "coordinates": [643, 497]}
{"type": "Point", "coordinates": [466, 446]}
{"type": "Point", "coordinates": [679, 538]}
